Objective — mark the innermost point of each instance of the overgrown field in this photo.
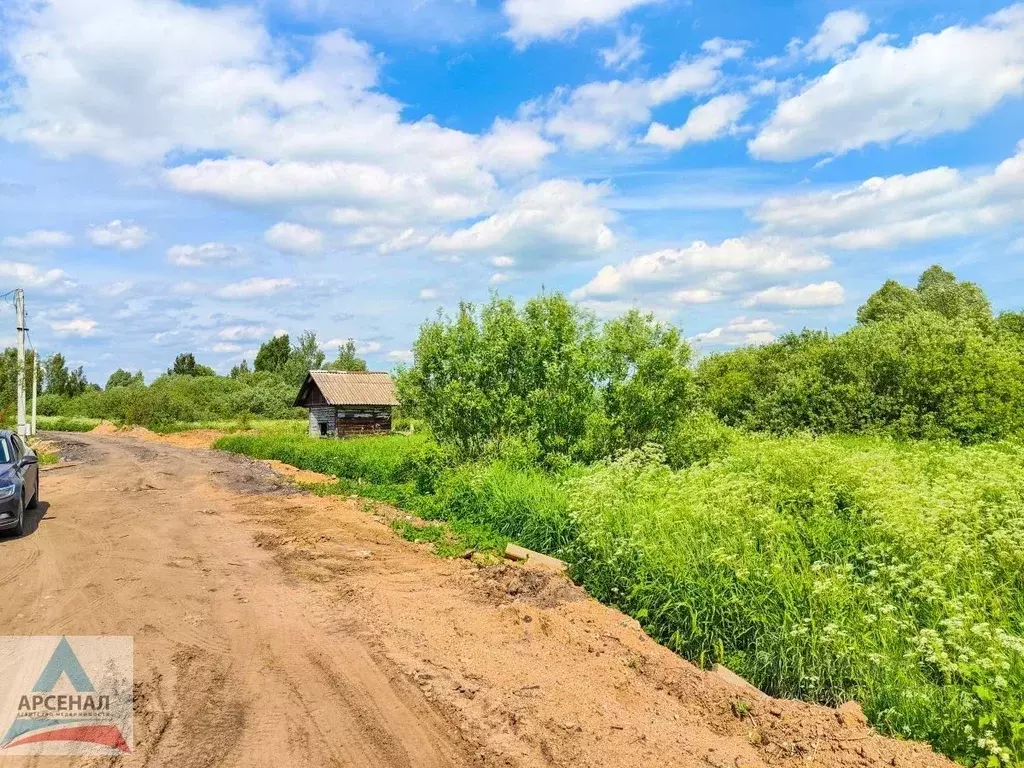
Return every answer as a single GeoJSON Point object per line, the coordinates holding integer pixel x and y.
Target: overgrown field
{"type": "Point", "coordinates": [825, 569]}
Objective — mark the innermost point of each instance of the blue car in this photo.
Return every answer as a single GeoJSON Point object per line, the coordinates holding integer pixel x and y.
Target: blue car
{"type": "Point", "coordinates": [19, 482]}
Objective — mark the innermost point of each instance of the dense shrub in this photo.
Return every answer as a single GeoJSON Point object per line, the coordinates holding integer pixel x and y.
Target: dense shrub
{"type": "Point", "coordinates": [930, 363]}
{"type": "Point", "coordinates": [174, 398]}
{"type": "Point", "coordinates": [544, 380]}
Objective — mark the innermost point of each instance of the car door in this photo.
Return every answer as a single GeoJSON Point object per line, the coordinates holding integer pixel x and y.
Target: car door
{"type": "Point", "coordinates": [29, 471]}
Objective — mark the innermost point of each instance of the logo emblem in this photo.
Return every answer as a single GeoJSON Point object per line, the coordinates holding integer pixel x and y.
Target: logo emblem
{"type": "Point", "coordinates": [80, 702]}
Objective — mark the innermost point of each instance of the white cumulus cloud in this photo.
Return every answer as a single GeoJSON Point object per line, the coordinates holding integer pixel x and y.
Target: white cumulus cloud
{"type": "Point", "coordinates": [885, 212]}
{"type": "Point", "coordinates": [401, 356]}
{"type": "Point", "coordinates": [39, 239]}
{"type": "Point", "coordinates": [203, 255]}
{"type": "Point", "coordinates": [837, 33]}
{"type": "Point", "coordinates": [255, 287]}
{"type": "Point", "coordinates": [728, 263]}
{"type": "Point", "coordinates": [295, 239]}
{"type": "Point", "coordinates": [827, 294]}
{"type": "Point", "coordinates": [738, 331]}
{"type": "Point", "coordinates": [706, 122]}
{"type": "Point", "coordinates": [627, 50]}
{"type": "Point", "coordinates": [882, 92]}
{"type": "Point", "coordinates": [598, 114]}
{"type": "Point", "coordinates": [30, 276]}
{"type": "Point", "coordinates": [118, 234]}
{"type": "Point", "coordinates": [531, 20]}
{"type": "Point", "coordinates": [79, 326]}
{"type": "Point", "coordinates": [556, 220]}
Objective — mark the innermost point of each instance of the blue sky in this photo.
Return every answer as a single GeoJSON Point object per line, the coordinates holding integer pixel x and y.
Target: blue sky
{"type": "Point", "coordinates": [199, 176]}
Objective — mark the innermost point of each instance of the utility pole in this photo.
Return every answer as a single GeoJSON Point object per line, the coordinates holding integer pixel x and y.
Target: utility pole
{"type": "Point", "coordinates": [19, 306]}
{"type": "Point", "coordinates": [35, 388]}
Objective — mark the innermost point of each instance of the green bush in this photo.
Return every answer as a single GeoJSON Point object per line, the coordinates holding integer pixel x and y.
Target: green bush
{"type": "Point", "coordinates": [930, 363]}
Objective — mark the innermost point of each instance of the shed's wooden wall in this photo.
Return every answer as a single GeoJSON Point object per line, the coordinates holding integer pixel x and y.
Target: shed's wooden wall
{"type": "Point", "coordinates": [363, 419]}
{"type": "Point", "coordinates": [325, 414]}
{"type": "Point", "coordinates": [343, 421]}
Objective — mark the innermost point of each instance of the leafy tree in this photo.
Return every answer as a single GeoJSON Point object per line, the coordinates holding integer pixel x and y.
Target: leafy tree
{"type": "Point", "coordinates": [304, 357]}
{"type": "Point", "coordinates": [648, 384]}
{"type": "Point", "coordinates": [122, 378]}
{"type": "Point", "coordinates": [9, 378]}
{"type": "Point", "coordinates": [941, 292]}
{"type": "Point", "coordinates": [938, 291]}
{"type": "Point", "coordinates": [544, 380]}
{"type": "Point", "coordinates": [347, 359]}
{"type": "Point", "coordinates": [1011, 324]}
{"type": "Point", "coordinates": [240, 370]}
{"type": "Point", "coordinates": [185, 365]}
{"type": "Point", "coordinates": [927, 363]}
{"type": "Point", "coordinates": [273, 354]}
{"type": "Point", "coordinates": [61, 381]}
{"type": "Point", "coordinates": [893, 301]}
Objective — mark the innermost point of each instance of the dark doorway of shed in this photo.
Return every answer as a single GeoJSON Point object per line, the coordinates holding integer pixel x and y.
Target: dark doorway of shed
{"type": "Point", "coordinates": [323, 429]}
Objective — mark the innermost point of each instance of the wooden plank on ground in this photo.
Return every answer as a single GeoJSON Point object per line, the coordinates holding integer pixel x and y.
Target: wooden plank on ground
{"type": "Point", "coordinates": [522, 554]}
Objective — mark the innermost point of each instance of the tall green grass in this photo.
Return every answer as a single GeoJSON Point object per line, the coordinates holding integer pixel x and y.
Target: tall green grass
{"type": "Point", "coordinates": [824, 569]}
{"type": "Point", "coordinates": [376, 459]}
{"type": "Point", "coordinates": [831, 569]}
{"type": "Point", "coordinates": [66, 423]}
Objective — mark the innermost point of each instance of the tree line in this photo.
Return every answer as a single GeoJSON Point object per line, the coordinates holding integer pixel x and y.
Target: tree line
{"type": "Point", "coordinates": [189, 391]}
{"type": "Point", "coordinates": [546, 380]}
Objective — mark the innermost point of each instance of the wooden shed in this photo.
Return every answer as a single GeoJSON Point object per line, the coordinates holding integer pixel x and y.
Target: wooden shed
{"type": "Point", "coordinates": [343, 403]}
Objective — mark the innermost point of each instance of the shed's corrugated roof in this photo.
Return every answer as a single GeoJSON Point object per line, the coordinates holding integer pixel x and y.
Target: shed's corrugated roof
{"type": "Point", "coordinates": [356, 387]}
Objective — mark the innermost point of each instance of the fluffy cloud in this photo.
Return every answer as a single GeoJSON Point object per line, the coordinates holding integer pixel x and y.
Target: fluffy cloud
{"type": "Point", "coordinates": [200, 77]}
{"type": "Point", "coordinates": [627, 50]}
{"type": "Point", "coordinates": [704, 123]}
{"type": "Point", "coordinates": [286, 124]}
{"type": "Point", "coordinates": [837, 33]}
{"type": "Point", "coordinates": [295, 238]}
{"type": "Point", "coordinates": [514, 147]}
{"type": "Point", "coordinates": [696, 296]}
{"type": "Point", "coordinates": [31, 276]}
{"type": "Point", "coordinates": [601, 113]}
{"type": "Point", "coordinates": [428, 294]}
{"type": "Point", "coordinates": [531, 20]}
{"type": "Point", "coordinates": [827, 294]}
{"type": "Point", "coordinates": [255, 287]}
{"type": "Point", "coordinates": [223, 348]}
{"type": "Point", "coordinates": [203, 255]}
{"type": "Point", "coordinates": [358, 185]}
{"type": "Point", "coordinates": [727, 264]}
{"type": "Point", "coordinates": [891, 211]}
{"type": "Point", "coordinates": [39, 239]}
{"type": "Point", "coordinates": [242, 332]}
{"type": "Point", "coordinates": [401, 356]}
{"type": "Point", "coordinates": [881, 93]}
{"type": "Point", "coordinates": [556, 220]}
{"type": "Point", "coordinates": [117, 234]}
{"type": "Point", "coordinates": [79, 326]}
{"type": "Point", "coordinates": [738, 331]}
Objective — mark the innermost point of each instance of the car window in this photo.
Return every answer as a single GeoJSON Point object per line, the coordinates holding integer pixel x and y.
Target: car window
{"type": "Point", "coordinates": [19, 447]}
{"type": "Point", "coordinates": [5, 452]}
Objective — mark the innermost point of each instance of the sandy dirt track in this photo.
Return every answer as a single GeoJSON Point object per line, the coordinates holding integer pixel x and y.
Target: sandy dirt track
{"type": "Point", "coordinates": [275, 628]}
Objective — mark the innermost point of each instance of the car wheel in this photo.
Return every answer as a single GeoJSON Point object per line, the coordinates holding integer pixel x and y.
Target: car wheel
{"type": "Point", "coordinates": [19, 529]}
{"type": "Point", "coordinates": [34, 501]}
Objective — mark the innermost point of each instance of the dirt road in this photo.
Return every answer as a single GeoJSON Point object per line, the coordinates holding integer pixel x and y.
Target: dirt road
{"type": "Point", "coordinates": [275, 628]}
